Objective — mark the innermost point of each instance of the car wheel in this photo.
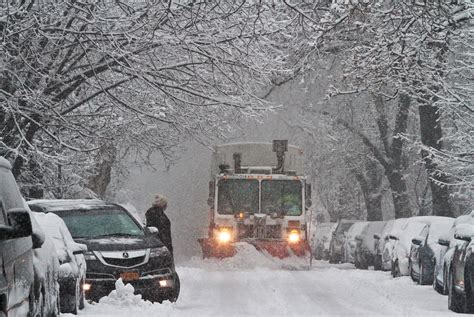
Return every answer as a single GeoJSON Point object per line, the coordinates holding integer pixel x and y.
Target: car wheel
{"type": "Point", "coordinates": [410, 269]}
{"type": "Point", "coordinates": [436, 285]}
{"type": "Point", "coordinates": [395, 269]}
{"type": "Point", "coordinates": [469, 293]}
{"type": "Point", "coordinates": [378, 263]}
{"type": "Point", "coordinates": [71, 303]}
{"type": "Point", "coordinates": [421, 278]}
{"type": "Point", "coordinates": [82, 296]}
{"type": "Point", "coordinates": [176, 289]}
{"type": "Point", "coordinates": [456, 302]}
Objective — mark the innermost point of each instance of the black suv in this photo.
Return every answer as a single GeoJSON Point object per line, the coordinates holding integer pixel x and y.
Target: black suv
{"type": "Point", "coordinates": [118, 247]}
{"type": "Point", "coordinates": [16, 244]}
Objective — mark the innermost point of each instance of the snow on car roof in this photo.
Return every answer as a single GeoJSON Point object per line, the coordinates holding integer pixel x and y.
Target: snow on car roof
{"type": "Point", "coordinates": [67, 204]}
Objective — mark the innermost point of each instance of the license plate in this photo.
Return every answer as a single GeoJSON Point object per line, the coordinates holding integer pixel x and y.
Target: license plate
{"type": "Point", "coordinates": [129, 276]}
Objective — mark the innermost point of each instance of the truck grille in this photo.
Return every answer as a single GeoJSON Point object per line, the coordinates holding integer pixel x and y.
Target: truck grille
{"type": "Point", "coordinates": [270, 232]}
{"type": "Point", "coordinates": [125, 262]}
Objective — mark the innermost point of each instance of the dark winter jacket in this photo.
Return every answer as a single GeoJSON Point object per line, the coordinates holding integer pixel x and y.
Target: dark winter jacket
{"type": "Point", "coordinates": [156, 217]}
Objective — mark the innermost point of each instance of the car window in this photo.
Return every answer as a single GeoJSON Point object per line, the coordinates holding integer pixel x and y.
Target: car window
{"type": "Point", "coordinates": [9, 193]}
{"type": "Point", "coordinates": [105, 222]}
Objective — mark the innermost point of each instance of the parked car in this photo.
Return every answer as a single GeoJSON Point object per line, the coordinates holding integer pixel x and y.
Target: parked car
{"type": "Point", "coordinates": [387, 253]}
{"type": "Point", "coordinates": [17, 241]}
{"type": "Point", "coordinates": [321, 239]}
{"type": "Point", "coordinates": [379, 242]}
{"type": "Point", "coordinates": [336, 246]}
{"type": "Point", "coordinates": [71, 269]}
{"type": "Point", "coordinates": [461, 275]}
{"type": "Point", "coordinates": [401, 247]}
{"type": "Point", "coordinates": [46, 267]}
{"type": "Point", "coordinates": [350, 240]}
{"type": "Point", "coordinates": [425, 251]}
{"type": "Point", "coordinates": [403, 240]}
{"type": "Point", "coordinates": [364, 254]}
{"type": "Point", "coordinates": [447, 244]}
{"type": "Point", "coordinates": [118, 247]}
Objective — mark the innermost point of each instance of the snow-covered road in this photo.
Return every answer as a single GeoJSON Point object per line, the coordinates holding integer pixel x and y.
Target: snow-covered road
{"type": "Point", "coordinates": [254, 285]}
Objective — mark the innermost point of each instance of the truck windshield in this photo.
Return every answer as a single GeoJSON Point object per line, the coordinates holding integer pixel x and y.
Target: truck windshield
{"type": "Point", "coordinates": [237, 195]}
{"type": "Point", "coordinates": [282, 196]}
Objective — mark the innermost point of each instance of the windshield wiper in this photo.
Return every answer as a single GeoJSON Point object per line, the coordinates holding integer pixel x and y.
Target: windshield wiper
{"type": "Point", "coordinates": [118, 234]}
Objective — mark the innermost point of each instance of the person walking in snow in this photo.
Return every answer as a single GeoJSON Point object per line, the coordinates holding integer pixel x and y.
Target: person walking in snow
{"type": "Point", "coordinates": [156, 217]}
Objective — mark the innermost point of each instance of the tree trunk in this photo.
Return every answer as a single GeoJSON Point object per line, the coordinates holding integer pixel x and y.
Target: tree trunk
{"type": "Point", "coordinates": [370, 184]}
{"type": "Point", "coordinates": [100, 179]}
{"type": "Point", "coordinates": [401, 201]}
{"type": "Point", "coordinates": [431, 135]}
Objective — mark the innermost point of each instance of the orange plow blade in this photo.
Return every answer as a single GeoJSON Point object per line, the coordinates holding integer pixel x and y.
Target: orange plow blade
{"type": "Point", "coordinates": [282, 249]}
{"type": "Point", "coordinates": [212, 249]}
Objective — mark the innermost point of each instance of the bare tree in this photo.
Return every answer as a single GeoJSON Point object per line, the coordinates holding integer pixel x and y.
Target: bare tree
{"type": "Point", "coordinates": [77, 77]}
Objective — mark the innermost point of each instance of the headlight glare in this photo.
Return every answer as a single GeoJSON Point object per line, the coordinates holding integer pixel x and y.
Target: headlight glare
{"type": "Point", "coordinates": [224, 235]}
{"type": "Point", "coordinates": [294, 236]}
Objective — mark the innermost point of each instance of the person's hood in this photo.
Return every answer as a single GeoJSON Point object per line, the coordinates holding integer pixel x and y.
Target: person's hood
{"type": "Point", "coordinates": [121, 243]}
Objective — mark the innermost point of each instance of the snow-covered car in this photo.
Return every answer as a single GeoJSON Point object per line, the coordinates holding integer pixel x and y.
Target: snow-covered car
{"type": "Point", "coordinates": [321, 239]}
{"type": "Point", "coordinates": [461, 275]}
{"type": "Point", "coordinates": [336, 246]}
{"type": "Point", "coordinates": [448, 243]}
{"type": "Point", "coordinates": [118, 247]}
{"type": "Point", "coordinates": [46, 267]}
{"type": "Point", "coordinates": [364, 254]}
{"type": "Point", "coordinates": [350, 240]}
{"type": "Point", "coordinates": [403, 240]}
{"type": "Point", "coordinates": [17, 241]}
{"type": "Point", "coordinates": [388, 243]}
{"type": "Point", "coordinates": [401, 246]}
{"type": "Point", "coordinates": [72, 265]}
{"type": "Point", "coordinates": [379, 242]}
{"type": "Point", "coordinates": [425, 250]}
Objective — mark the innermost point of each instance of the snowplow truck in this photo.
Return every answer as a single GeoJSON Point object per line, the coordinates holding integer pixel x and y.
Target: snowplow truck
{"type": "Point", "coordinates": [257, 194]}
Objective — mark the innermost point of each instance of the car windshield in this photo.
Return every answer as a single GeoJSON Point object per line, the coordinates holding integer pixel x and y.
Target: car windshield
{"type": "Point", "coordinates": [282, 196]}
{"type": "Point", "coordinates": [438, 230]}
{"type": "Point", "coordinates": [343, 227]}
{"type": "Point", "coordinates": [97, 223]}
{"type": "Point", "coordinates": [237, 195]}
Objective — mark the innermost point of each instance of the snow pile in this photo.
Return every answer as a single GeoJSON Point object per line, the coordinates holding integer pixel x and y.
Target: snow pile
{"type": "Point", "coordinates": [249, 258]}
{"type": "Point", "coordinates": [123, 296]}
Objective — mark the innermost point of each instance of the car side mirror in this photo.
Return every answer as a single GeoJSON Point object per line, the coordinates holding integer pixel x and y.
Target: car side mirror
{"type": "Point", "coordinates": [443, 242]}
{"type": "Point", "coordinates": [376, 236]}
{"type": "Point", "coordinates": [20, 225]}
{"type": "Point", "coordinates": [79, 248]}
{"type": "Point", "coordinates": [38, 239]}
{"type": "Point", "coordinates": [151, 230]}
{"type": "Point", "coordinates": [416, 241]}
{"type": "Point", "coordinates": [307, 194]}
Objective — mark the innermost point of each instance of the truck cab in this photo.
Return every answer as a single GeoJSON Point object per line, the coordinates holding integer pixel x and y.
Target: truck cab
{"type": "Point", "coordinates": [263, 199]}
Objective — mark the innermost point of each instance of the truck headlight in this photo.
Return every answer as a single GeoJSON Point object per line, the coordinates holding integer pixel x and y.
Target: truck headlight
{"type": "Point", "coordinates": [224, 235]}
{"type": "Point", "coordinates": [294, 236]}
